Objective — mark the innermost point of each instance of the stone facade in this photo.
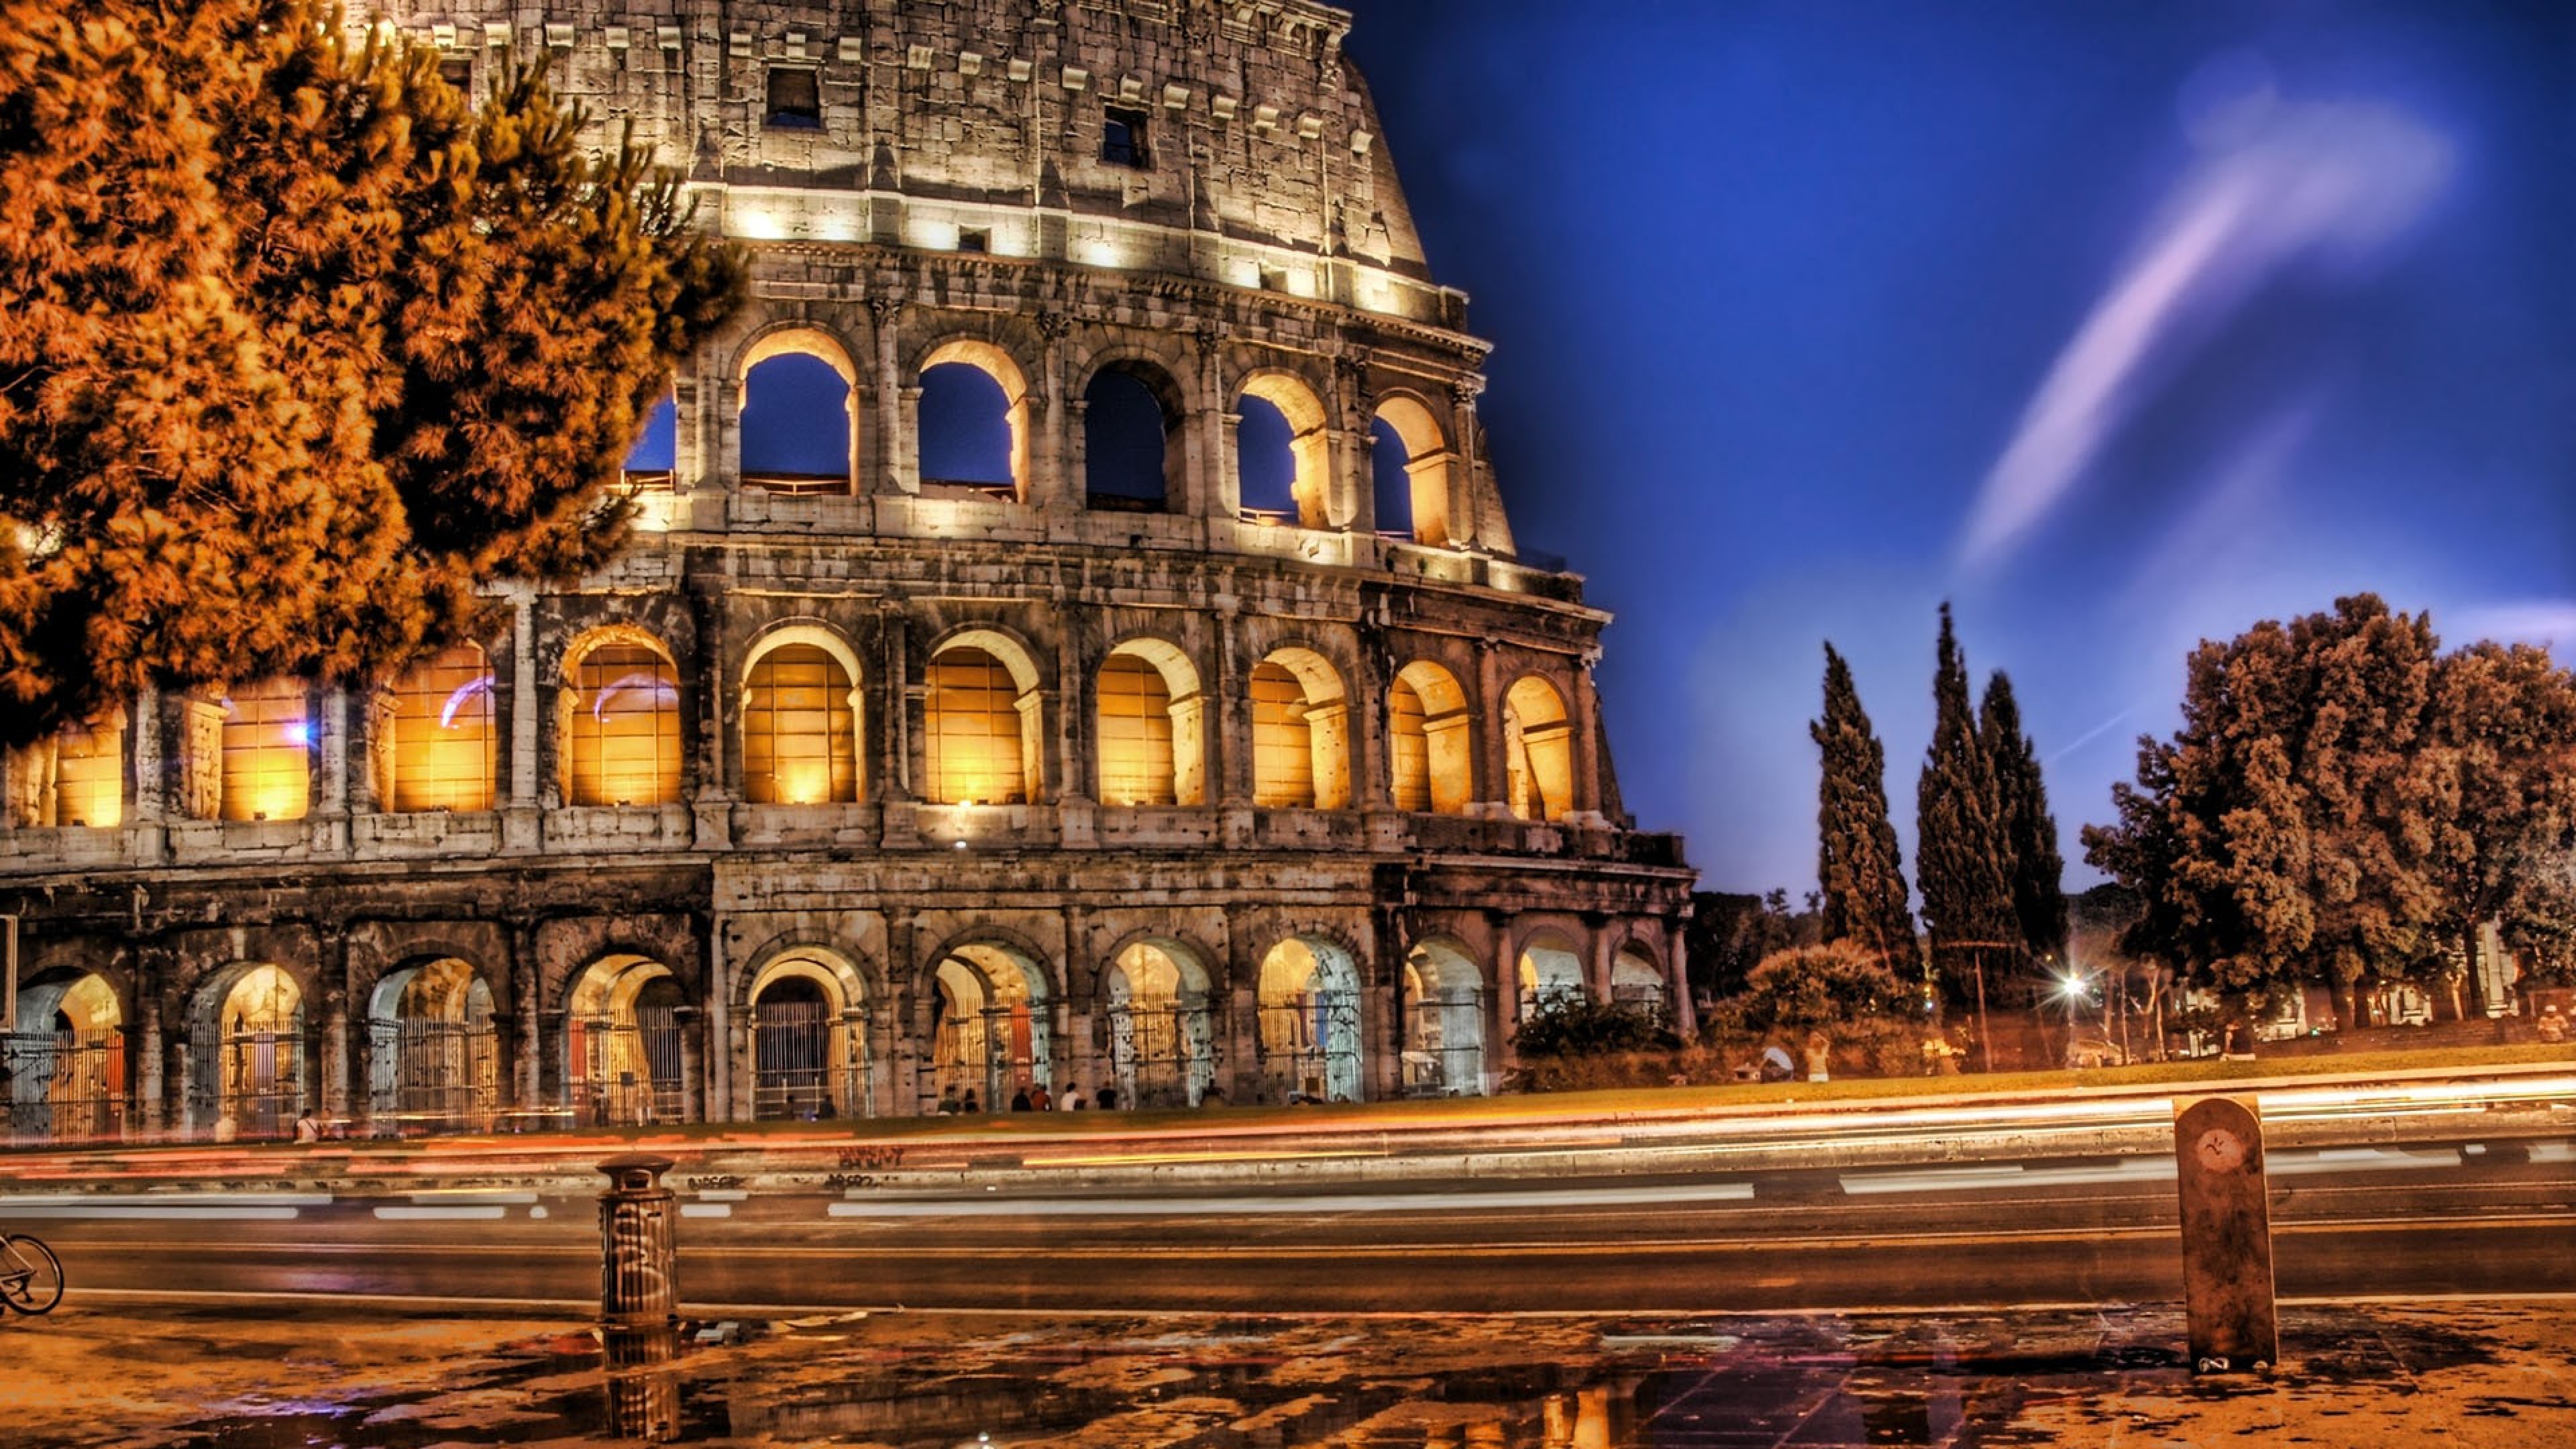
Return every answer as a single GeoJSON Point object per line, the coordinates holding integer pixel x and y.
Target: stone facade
{"type": "Point", "coordinates": [849, 790]}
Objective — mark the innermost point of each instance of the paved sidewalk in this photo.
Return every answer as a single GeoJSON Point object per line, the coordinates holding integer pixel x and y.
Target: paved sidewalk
{"type": "Point", "coordinates": [196, 1375]}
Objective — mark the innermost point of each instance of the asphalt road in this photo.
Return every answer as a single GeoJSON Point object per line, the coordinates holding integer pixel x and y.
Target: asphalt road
{"type": "Point", "coordinates": [2367, 1222]}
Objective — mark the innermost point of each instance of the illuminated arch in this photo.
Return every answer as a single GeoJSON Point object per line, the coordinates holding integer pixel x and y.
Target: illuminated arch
{"type": "Point", "coordinates": [433, 1054]}
{"type": "Point", "coordinates": [1151, 726]}
{"type": "Point", "coordinates": [1538, 751]}
{"type": "Point", "coordinates": [989, 1036]}
{"type": "Point", "coordinates": [249, 1056]}
{"type": "Point", "coordinates": [1550, 969]}
{"type": "Point", "coordinates": [68, 1074]}
{"type": "Point", "coordinates": [1162, 1040]}
{"type": "Point", "coordinates": [997, 364]}
{"type": "Point", "coordinates": [1308, 1027]}
{"type": "Point", "coordinates": [619, 716]}
{"type": "Point", "coordinates": [1430, 738]}
{"type": "Point", "coordinates": [446, 746]}
{"type": "Point", "coordinates": [800, 718]}
{"type": "Point", "coordinates": [1309, 445]}
{"type": "Point", "coordinates": [623, 1056]}
{"type": "Point", "coordinates": [780, 451]}
{"type": "Point", "coordinates": [1636, 979]}
{"type": "Point", "coordinates": [808, 1013]}
{"type": "Point", "coordinates": [1300, 733]}
{"type": "Point", "coordinates": [981, 727]}
{"type": "Point", "coordinates": [1409, 425]}
{"type": "Point", "coordinates": [1444, 1021]}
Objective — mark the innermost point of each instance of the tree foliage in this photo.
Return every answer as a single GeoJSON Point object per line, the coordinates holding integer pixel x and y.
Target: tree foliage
{"type": "Point", "coordinates": [297, 351]}
{"type": "Point", "coordinates": [1811, 988]}
{"type": "Point", "coordinates": [2021, 813]}
{"type": "Point", "coordinates": [1571, 1024]}
{"type": "Point", "coordinates": [1963, 853]}
{"type": "Point", "coordinates": [1858, 863]}
{"type": "Point", "coordinates": [2344, 803]}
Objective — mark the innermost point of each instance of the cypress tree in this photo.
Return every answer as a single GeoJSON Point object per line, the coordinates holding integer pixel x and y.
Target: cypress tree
{"type": "Point", "coordinates": [1960, 854]}
{"type": "Point", "coordinates": [2030, 831]}
{"type": "Point", "coordinates": [1858, 864]}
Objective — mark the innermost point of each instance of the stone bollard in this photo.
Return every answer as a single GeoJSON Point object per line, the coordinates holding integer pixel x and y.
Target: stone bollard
{"type": "Point", "coordinates": [2226, 1236]}
{"type": "Point", "coordinates": [638, 1282]}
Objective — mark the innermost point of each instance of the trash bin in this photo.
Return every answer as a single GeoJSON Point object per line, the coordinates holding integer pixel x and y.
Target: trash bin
{"type": "Point", "coordinates": [639, 1252]}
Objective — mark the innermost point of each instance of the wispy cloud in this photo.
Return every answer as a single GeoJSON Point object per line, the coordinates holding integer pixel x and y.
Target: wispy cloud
{"type": "Point", "coordinates": [2319, 190]}
{"type": "Point", "coordinates": [2531, 621]}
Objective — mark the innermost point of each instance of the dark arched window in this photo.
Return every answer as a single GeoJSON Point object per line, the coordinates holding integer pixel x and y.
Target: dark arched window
{"type": "Point", "coordinates": [1394, 481]}
{"type": "Point", "coordinates": [796, 426]}
{"type": "Point", "coordinates": [965, 426]}
{"type": "Point", "coordinates": [1126, 443]}
{"type": "Point", "coordinates": [1264, 461]}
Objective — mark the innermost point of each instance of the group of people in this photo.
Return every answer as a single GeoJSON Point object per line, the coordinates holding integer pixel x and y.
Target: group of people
{"type": "Point", "coordinates": [1030, 1098]}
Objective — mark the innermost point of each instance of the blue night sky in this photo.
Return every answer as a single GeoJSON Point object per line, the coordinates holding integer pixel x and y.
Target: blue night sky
{"type": "Point", "coordinates": [2117, 324]}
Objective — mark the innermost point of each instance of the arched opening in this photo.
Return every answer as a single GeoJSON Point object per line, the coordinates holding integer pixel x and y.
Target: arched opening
{"type": "Point", "coordinates": [66, 1057]}
{"type": "Point", "coordinates": [433, 1051]}
{"type": "Point", "coordinates": [1538, 751]}
{"type": "Point", "coordinates": [248, 1053]}
{"type": "Point", "coordinates": [988, 1028]}
{"type": "Point", "coordinates": [1409, 462]}
{"type": "Point", "coordinates": [809, 1040]}
{"type": "Point", "coordinates": [76, 778]}
{"type": "Point", "coordinates": [1309, 1023]}
{"type": "Point", "coordinates": [268, 751]}
{"type": "Point", "coordinates": [1444, 1022]}
{"type": "Point", "coordinates": [1151, 727]}
{"type": "Point", "coordinates": [800, 723]}
{"type": "Point", "coordinates": [1550, 973]}
{"type": "Point", "coordinates": [654, 461]}
{"type": "Point", "coordinates": [1300, 733]}
{"type": "Point", "coordinates": [1283, 457]}
{"type": "Point", "coordinates": [621, 707]}
{"type": "Point", "coordinates": [623, 1046]}
{"type": "Point", "coordinates": [799, 411]}
{"type": "Point", "coordinates": [972, 420]}
{"type": "Point", "coordinates": [1429, 740]}
{"type": "Point", "coordinates": [1162, 1039]}
{"type": "Point", "coordinates": [980, 726]}
{"type": "Point", "coordinates": [1635, 979]}
{"type": "Point", "coordinates": [445, 743]}
{"type": "Point", "coordinates": [1131, 422]}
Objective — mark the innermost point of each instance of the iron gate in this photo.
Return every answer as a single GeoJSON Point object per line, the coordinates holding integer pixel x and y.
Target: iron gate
{"type": "Point", "coordinates": [64, 1086]}
{"type": "Point", "coordinates": [628, 1071]}
{"type": "Point", "coordinates": [808, 1061]}
{"type": "Point", "coordinates": [254, 1080]}
{"type": "Point", "coordinates": [1310, 1048]}
{"type": "Point", "coordinates": [1444, 1046]}
{"type": "Point", "coordinates": [434, 1076]}
{"type": "Point", "coordinates": [1162, 1055]}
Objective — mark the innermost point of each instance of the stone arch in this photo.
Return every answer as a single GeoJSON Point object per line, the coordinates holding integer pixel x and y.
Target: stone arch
{"type": "Point", "coordinates": [1301, 739]}
{"type": "Point", "coordinates": [807, 1010]}
{"type": "Point", "coordinates": [1444, 1020]}
{"type": "Point", "coordinates": [434, 1058]}
{"type": "Point", "coordinates": [983, 731]}
{"type": "Point", "coordinates": [1548, 967]}
{"type": "Point", "coordinates": [778, 453]}
{"type": "Point", "coordinates": [801, 717]}
{"type": "Point", "coordinates": [1637, 977]}
{"type": "Point", "coordinates": [1538, 751]}
{"type": "Point", "coordinates": [1157, 1002]}
{"type": "Point", "coordinates": [1405, 422]}
{"type": "Point", "coordinates": [1430, 740]}
{"type": "Point", "coordinates": [1307, 1030]}
{"type": "Point", "coordinates": [250, 1051]}
{"type": "Point", "coordinates": [626, 1053]}
{"type": "Point", "coordinates": [996, 363]}
{"type": "Point", "coordinates": [443, 748]}
{"type": "Point", "coordinates": [1133, 454]}
{"type": "Point", "coordinates": [618, 719]}
{"type": "Point", "coordinates": [74, 777]}
{"type": "Point", "coordinates": [990, 1002]}
{"type": "Point", "coordinates": [68, 1062]}
{"type": "Point", "coordinates": [1308, 445]}
{"type": "Point", "coordinates": [1150, 725]}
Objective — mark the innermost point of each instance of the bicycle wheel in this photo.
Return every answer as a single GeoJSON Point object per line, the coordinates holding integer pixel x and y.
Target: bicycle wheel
{"type": "Point", "coordinates": [31, 1277]}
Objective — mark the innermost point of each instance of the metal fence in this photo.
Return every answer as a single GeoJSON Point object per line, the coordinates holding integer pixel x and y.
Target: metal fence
{"type": "Point", "coordinates": [627, 1072]}
{"type": "Point", "coordinates": [64, 1086]}
{"type": "Point", "coordinates": [251, 1083]}
{"type": "Point", "coordinates": [1444, 1046]}
{"type": "Point", "coordinates": [1162, 1055]}
{"type": "Point", "coordinates": [1310, 1048]}
{"type": "Point", "coordinates": [433, 1076]}
{"type": "Point", "coordinates": [808, 1062]}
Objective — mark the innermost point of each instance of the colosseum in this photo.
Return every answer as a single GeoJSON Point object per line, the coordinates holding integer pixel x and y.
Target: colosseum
{"type": "Point", "coordinates": [1074, 639]}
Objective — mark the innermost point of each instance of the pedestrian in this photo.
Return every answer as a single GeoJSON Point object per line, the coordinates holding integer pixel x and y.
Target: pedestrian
{"type": "Point", "coordinates": [1039, 1101]}
{"type": "Point", "coordinates": [1108, 1099]}
{"type": "Point", "coordinates": [948, 1100]}
{"type": "Point", "coordinates": [1020, 1100]}
{"type": "Point", "coordinates": [306, 1128]}
{"type": "Point", "coordinates": [1071, 1099]}
{"type": "Point", "coordinates": [968, 1104]}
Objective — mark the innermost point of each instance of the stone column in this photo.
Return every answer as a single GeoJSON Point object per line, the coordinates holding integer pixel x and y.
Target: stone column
{"type": "Point", "coordinates": [151, 1063]}
{"type": "Point", "coordinates": [150, 828]}
{"type": "Point", "coordinates": [910, 1095]}
{"type": "Point", "coordinates": [692, 1023]}
{"type": "Point", "coordinates": [1053, 484]}
{"type": "Point", "coordinates": [1466, 521]}
{"type": "Point", "coordinates": [527, 1088]}
{"type": "Point", "coordinates": [1352, 505]}
{"type": "Point", "coordinates": [898, 461]}
{"type": "Point", "coordinates": [711, 673]}
{"type": "Point", "coordinates": [1208, 433]}
{"type": "Point", "coordinates": [1492, 777]}
{"type": "Point", "coordinates": [723, 1067]}
{"type": "Point", "coordinates": [1368, 724]}
{"type": "Point", "coordinates": [1588, 763]}
{"type": "Point", "coordinates": [522, 817]}
{"type": "Point", "coordinates": [1239, 997]}
{"type": "Point", "coordinates": [335, 1064]}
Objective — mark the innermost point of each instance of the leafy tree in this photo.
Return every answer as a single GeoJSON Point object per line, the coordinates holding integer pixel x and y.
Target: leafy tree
{"type": "Point", "coordinates": [2499, 757]}
{"type": "Point", "coordinates": [1858, 862]}
{"type": "Point", "coordinates": [1807, 988]}
{"type": "Point", "coordinates": [347, 351]}
{"type": "Point", "coordinates": [1962, 854]}
{"type": "Point", "coordinates": [2284, 833]}
{"type": "Point", "coordinates": [1574, 1025]}
{"type": "Point", "coordinates": [2021, 811]}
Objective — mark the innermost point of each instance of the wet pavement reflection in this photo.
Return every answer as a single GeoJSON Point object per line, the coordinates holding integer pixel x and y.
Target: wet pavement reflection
{"type": "Point", "coordinates": [941, 1382]}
